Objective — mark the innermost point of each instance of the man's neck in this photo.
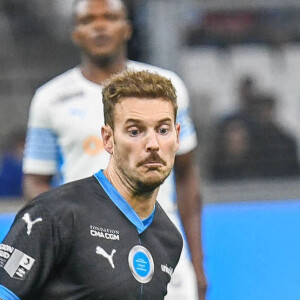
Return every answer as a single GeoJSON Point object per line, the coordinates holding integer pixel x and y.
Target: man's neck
{"type": "Point", "coordinates": [142, 203]}
{"type": "Point", "coordinates": [102, 70]}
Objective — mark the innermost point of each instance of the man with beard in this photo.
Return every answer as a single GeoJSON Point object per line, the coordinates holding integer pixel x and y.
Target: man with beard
{"type": "Point", "coordinates": [105, 236]}
{"type": "Point", "coordinates": [63, 130]}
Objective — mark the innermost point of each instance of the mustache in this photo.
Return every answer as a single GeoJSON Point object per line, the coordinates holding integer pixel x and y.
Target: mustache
{"type": "Point", "coordinates": [152, 158]}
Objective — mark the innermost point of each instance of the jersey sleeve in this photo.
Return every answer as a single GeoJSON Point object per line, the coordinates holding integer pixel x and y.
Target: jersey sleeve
{"type": "Point", "coordinates": [188, 137]}
{"type": "Point", "coordinates": [34, 246]}
{"type": "Point", "coordinates": [41, 155]}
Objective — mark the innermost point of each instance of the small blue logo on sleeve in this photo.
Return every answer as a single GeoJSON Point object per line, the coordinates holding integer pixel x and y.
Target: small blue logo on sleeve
{"type": "Point", "coordinates": [141, 264]}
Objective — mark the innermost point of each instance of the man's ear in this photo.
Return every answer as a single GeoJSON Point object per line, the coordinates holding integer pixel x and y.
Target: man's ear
{"type": "Point", "coordinates": [74, 37]}
{"type": "Point", "coordinates": [108, 139]}
{"type": "Point", "coordinates": [128, 31]}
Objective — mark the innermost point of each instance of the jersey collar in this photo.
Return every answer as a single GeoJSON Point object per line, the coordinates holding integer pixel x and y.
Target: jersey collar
{"type": "Point", "coordinates": [92, 85]}
{"type": "Point", "coordinates": [123, 205]}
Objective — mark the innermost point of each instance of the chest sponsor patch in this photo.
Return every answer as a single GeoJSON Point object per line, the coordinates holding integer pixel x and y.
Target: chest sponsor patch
{"type": "Point", "coordinates": [66, 97]}
{"type": "Point", "coordinates": [105, 233]}
{"type": "Point", "coordinates": [141, 264]}
{"type": "Point", "coordinates": [16, 263]}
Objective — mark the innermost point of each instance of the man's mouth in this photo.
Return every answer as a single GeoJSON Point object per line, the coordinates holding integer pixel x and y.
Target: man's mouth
{"type": "Point", "coordinates": [153, 161]}
{"type": "Point", "coordinates": [153, 164]}
{"type": "Point", "coordinates": [101, 40]}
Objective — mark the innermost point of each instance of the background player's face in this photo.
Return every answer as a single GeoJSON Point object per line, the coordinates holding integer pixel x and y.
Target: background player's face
{"type": "Point", "coordinates": [101, 28]}
{"type": "Point", "coordinates": [145, 141]}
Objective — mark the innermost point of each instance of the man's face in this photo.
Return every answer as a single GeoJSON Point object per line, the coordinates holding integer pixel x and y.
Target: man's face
{"type": "Point", "coordinates": [145, 140]}
{"type": "Point", "coordinates": [101, 28]}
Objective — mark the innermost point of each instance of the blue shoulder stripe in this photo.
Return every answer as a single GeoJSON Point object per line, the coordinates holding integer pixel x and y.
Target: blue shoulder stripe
{"type": "Point", "coordinates": [187, 127]}
{"type": "Point", "coordinates": [41, 143]}
{"type": "Point", "coordinates": [6, 294]}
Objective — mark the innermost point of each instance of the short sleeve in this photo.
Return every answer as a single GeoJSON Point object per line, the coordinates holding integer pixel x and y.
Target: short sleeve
{"type": "Point", "coordinates": [188, 137]}
{"type": "Point", "coordinates": [34, 246]}
{"type": "Point", "coordinates": [41, 153]}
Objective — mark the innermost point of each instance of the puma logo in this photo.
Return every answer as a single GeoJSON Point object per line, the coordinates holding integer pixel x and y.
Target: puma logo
{"type": "Point", "coordinates": [102, 252]}
{"type": "Point", "coordinates": [30, 223]}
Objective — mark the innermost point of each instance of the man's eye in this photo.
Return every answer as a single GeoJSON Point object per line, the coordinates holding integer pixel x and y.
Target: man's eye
{"type": "Point", "coordinates": [134, 132]}
{"type": "Point", "coordinates": [112, 18]}
{"type": "Point", "coordinates": [163, 130]}
{"type": "Point", "coordinates": [84, 21]}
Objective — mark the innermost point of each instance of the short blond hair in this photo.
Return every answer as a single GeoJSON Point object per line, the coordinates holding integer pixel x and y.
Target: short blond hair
{"type": "Point", "coordinates": [137, 84]}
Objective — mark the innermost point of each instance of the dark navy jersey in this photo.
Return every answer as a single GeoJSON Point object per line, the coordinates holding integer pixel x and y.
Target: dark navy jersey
{"type": "Point", "coordinates": [84, 241]}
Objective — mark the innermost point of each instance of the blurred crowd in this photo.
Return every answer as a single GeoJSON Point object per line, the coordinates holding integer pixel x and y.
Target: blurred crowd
{"type": "Point", "coordinates": [249, 143]}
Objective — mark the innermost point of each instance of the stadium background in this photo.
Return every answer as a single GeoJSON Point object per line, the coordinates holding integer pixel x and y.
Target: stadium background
{"type": "Point", "coordinates": [249, 226]}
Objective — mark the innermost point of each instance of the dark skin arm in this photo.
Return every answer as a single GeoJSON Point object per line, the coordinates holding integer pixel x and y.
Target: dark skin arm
{"type": "Point", "coordinates": [190, 208]}
{"type": "Point", "coordinates": [34, 185]}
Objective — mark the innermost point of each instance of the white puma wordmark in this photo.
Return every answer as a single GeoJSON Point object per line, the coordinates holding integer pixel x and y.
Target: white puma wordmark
{"type": "Point", "coordinates": [30, 223]}
{"type": "Point", "coordinates": [102, 252]}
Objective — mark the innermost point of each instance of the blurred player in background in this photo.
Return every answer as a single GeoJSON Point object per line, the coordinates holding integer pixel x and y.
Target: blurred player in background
{"type": "Point", "coordinates": [64, 138]}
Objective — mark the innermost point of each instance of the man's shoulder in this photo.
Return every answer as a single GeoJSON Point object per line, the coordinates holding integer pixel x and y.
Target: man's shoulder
{"type": "Point", "coordinates": [71, 195]}
{"type": "Point", "coordinates": [61, 82]}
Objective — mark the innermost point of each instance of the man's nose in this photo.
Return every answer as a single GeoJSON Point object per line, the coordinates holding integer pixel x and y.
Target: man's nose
{"type": "Point", "coordinates": [152, 142]}
{"type": "Point", "coordinates": [100, 24]}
